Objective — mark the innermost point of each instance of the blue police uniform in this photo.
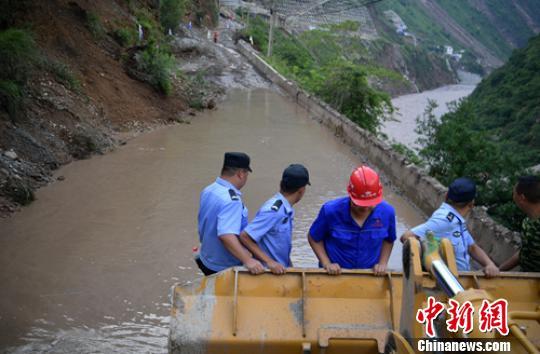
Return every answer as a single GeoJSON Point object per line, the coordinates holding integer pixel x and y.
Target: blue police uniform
{"type": "Point", "coordinates": [272, 228]}
{"type": "Point", "coordinates": [221, 212]}
{"type": "Point", "coordinates": [348, 244]}
{"type": "Point", "coordinates": [447, 222]}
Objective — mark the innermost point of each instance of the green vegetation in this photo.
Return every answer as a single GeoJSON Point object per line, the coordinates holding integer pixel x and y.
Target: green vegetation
{"type": "Point", "coordinates": [350, 26]}
{"type": "Point", "coordinates": [344, 86]}
{"type": "Point", "coordinates": [155, 61]}
{"type": "Point", "coordinates": [19, 192]}
{"type": "Point", "coordinates": [508, 20]}
{"type": "Point", "coordinates": [147, 19]}
{"type": "Point", "coordinates": [470, 64]}
{"type": "Point", "coordinates": [206, 12]}
{"type": "Point", "coordinates": [376, 56]}
{"type": "Point", "coordinates": [409, 154]}
{"type": "Point", "coordinates": [499, 30]}
{"type": "Point", "coordinates": [428, 31]}
{"type": "Point", "coordinates": [479, 26]}
{"type": "Point", "coordinates": [507, 103]}
{"type": "Point", "coordinates": [316, 62]}
{"type": "Point", "coordinates": [171, 12]}
{"type": "Point", "coordinates": [18, 56]}
{"type": "Point", "coordinates": [492, 136]}
{"type": "Point", "coordinates": [158, 63]}
{"type": "Point", "coordinates": [94, 25]}
{"type": "Point", "coordinates": [11, 96]}
{"type": "Point", "coordinates": [63, 74]}
{"type": "Point", "coordinates": [125, 36]}
{"type": "Point", "coordinates": [195, 88]}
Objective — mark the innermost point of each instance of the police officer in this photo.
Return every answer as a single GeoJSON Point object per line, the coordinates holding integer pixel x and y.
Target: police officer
{"type": "Point", "coordinates": [269, 235]}
{"type": "Point", "coordinates": [449, 221]}
{"type": "Point", "coordinates": [222, 216]}
{"type": "Point", "coordinates": [356, 231]}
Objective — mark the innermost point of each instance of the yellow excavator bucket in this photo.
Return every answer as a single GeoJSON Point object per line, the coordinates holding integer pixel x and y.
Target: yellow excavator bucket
{"type": "Point", "coordinates": [300, 311]}
{"type": "Point", "coordinates": [309, 311]}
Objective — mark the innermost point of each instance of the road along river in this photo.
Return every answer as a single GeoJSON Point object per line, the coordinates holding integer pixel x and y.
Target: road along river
{"type": "Point", "coordinates": [88, 266]}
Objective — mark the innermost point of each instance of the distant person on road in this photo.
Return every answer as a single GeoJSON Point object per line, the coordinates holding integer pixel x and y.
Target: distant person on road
{"type": "Point", "coordinates": [449, 222]}
{"type": "Point", "coordinates": [269, 235]}
{"type": "Point", "coordinates": [527, 198]}
{"type": "Point", "coordinates": [357, 231]}
{"type": "Point", "coordinates": [222, 216]}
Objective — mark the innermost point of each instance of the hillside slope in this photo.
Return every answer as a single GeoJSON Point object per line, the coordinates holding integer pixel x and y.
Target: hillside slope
{"type": "Point", "coordinates": [507, 102]}
{"type": "Point", "coordinates": [80, 77]}
{"type": "Point", "coordinates": [493, 135]}
{"type": "Point", "coordinates": [489, 30]}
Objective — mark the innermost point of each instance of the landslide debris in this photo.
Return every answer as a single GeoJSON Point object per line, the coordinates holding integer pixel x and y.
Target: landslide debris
{"type": "Point", "coordinates": [82, 77]}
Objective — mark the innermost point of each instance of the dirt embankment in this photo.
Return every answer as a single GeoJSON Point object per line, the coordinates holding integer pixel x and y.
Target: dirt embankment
{"type": "Point", "coordinates": [110, 104]}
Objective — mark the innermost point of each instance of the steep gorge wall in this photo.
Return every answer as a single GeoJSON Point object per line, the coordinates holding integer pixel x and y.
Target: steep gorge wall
{"type": "Point", "coordinates": [424, 191]}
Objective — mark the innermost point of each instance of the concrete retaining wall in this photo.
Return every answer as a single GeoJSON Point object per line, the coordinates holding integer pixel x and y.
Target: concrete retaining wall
{"type": "Point", "coordinates": [424, 191]}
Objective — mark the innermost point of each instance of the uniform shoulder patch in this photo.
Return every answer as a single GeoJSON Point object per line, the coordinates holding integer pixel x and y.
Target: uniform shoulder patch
{"type": "Point", "coordinates": [233, 195]}
{"type": "Point", "coordinates": [450, 216]}
{"type": "Point", "coordinates": [277, 204]}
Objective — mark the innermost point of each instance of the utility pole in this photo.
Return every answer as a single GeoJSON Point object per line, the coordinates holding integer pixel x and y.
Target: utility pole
{"type": "Point", "coordinates": [271, 33]}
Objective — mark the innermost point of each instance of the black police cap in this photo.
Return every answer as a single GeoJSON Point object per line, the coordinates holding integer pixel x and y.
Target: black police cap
{"type": "Point", "coordinates": [237, 159]}
{"type": "Point", "coordinates": [462, 190]}
{"type": "Point", "coordinates": [295, 176]}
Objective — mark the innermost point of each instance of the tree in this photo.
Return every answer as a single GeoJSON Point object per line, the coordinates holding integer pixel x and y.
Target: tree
{"type": "Point", "coordinates": [452, 149]}
{"type": "Point", "coordinates": [346, 88]}
{"type": "Point", "coordinates": [170, 13]}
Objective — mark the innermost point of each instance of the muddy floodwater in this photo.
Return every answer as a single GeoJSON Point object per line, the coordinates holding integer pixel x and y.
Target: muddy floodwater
{"type": "Point", "coordinates": [88, 266]}
{"type": "Point", "coordinates": [402, 129]}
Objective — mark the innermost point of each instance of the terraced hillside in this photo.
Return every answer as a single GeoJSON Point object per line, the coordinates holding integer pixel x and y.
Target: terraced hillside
{"type": "Point", "coordinates": [483, 31]}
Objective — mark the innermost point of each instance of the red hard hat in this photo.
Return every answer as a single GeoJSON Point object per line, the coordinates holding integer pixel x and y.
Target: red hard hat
{"type": "Point", "coordinates": [365, 188]}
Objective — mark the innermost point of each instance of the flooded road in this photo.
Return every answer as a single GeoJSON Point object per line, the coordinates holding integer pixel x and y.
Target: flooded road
{"type": "Point", "coordinates": [88, 266]}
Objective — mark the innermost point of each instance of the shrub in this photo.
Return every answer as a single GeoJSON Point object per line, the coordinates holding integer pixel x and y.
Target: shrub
{"type": "Point", "coordinates": [158, 64]}
{"type": "Point", "coordinates": [346, 89]}
{"type": "Point", "coordinates": [149, 24]}
{"type": "Point", "coordinates": [452, 149]}
{"type": "Point", "coordinates": [11, 96]}
{"type": "Point", "coordinates": [18, 57]}
{"type": "Point", "coordinates": [197, 103]}
{"type": "Point", "coordinates": [82, 146]}
{"type": "Point", "coordinates": [348, 25]}
{"type": "Point", "coordinates": [63, 74]}
{"type": "Point", "coordinates": [93, 23]}
{"type": "Point", "coordinates": [339, 82]}
{"type": "Point", "coordinates": [18, 54]}
{"type": "Point", "coordinates": [19, 192]}
{"type": "Point", "coordinates": [409, 154]}
{"type": "Point", "coordinates": [126, 37]}
{"type": "Point", "coordinates": [170, 13]}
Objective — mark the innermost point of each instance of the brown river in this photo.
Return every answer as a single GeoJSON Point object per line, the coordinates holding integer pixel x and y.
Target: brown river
{"type": "Point", "coordinates": [89, 265]}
